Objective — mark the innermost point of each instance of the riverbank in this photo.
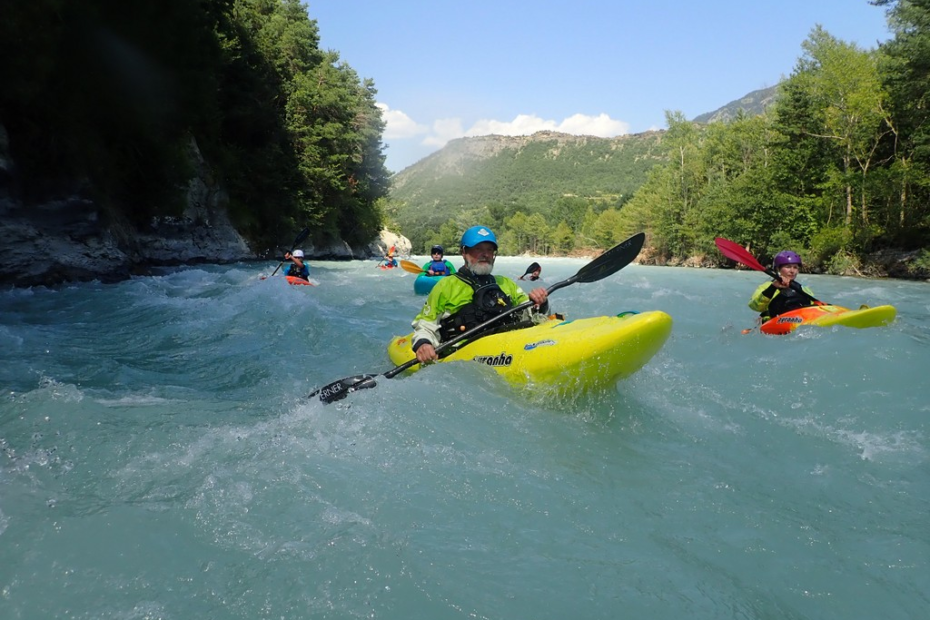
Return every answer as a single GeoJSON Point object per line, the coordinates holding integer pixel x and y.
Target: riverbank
{"type": "Point", "coordinates": [71, 240]}
{"type": "Point", "coordinates": [897, 264]}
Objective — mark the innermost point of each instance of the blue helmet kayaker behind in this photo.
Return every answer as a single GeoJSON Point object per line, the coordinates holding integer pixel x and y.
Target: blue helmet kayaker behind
{"type": "Point", "coordinates": [438, 266]}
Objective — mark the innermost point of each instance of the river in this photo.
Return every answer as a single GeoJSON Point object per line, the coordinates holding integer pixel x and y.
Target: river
{"type": "Point", "coordinates": [159, 457]}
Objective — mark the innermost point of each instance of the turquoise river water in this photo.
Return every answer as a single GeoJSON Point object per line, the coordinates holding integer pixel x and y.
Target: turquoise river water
{"type": "Point", "coordinates": [159, 458]}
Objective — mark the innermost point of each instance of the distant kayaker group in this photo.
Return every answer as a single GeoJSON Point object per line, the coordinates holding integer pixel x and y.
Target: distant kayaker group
{"type": "Point", "coordinates": [475, 295]}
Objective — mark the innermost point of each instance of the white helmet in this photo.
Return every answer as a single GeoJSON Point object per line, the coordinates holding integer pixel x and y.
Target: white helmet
{"type": "Point", "coordinates": [298, 254]}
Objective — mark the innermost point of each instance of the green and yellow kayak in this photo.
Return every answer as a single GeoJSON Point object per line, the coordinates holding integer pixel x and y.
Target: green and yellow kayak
{"type": "Point", "coordinates": [563, 356]}
{"type": "Point", "coordinates": [829, 315]}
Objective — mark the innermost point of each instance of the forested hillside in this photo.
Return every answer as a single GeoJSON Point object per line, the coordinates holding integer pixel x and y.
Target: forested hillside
{"type": "Point", "coordinates": [752, 104]}
{"type": "Point", "coordinates": [835, 166]}
{"type": "Point", "coordinates": [838, 168]}
{"type": "Point", "coordinates": [538, 190]}
{"type": "Point", "coordinates": [105, 98]}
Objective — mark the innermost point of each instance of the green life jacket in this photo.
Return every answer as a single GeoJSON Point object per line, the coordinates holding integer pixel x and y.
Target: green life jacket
{"type": "Point", "coordinates": [488, 301]}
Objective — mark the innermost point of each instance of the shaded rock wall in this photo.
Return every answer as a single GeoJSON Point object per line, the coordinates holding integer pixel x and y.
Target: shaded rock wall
{"type": "Point", "coordinates": [70, 238]}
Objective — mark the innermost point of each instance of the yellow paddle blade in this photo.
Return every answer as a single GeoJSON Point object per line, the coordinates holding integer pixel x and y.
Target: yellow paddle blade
{"type": "Point", "coordinates": [407, 265]}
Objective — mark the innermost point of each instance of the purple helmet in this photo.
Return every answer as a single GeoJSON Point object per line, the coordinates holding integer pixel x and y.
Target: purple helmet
{"type": "Point", "coordinates": [786, 257]}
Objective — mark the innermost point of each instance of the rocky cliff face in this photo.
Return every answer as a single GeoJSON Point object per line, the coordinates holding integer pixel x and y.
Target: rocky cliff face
{"type": "Point", "coordinates": [70, 238]}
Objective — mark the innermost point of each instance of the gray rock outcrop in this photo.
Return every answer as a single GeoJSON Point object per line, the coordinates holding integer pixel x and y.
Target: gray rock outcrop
{"type": "Point", "coordinates": [71, 239]}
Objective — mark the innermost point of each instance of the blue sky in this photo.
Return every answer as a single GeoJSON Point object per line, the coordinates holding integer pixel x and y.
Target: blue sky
{"type": "Point", "coordinates": [445, 70]}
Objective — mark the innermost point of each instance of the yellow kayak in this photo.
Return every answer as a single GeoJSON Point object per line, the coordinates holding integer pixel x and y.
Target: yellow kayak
{"type": "Point", "coordinates": [564, 356]}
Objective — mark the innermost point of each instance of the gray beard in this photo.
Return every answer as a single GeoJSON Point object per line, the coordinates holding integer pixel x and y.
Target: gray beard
{"type": "Point", "coordinates": [481, 269]}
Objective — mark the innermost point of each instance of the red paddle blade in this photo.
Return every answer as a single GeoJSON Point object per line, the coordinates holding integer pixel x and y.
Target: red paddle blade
{"type": "Point", "coordinates": [736, 252]}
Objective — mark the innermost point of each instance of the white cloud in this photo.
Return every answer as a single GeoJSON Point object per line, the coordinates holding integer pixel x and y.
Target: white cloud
{"type": "Point", "coordinates": [601, 125]}
{"type": "Point", "coordinates": [399, 125]}
{"type": "Point", "coordinates": [444, 129]}
{"type": "Point", "coordinates": [524, 125]}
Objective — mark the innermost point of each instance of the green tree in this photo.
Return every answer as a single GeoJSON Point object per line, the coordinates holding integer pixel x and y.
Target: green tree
{"type": "Point", "coordinates": [571, 210]}
{"type": "Point", "coordinates": [682, 185]}
{"type": "Point", "coordinates": [563, 238]}
{"type": "Point", "coordinates": [904, 63]}
{"type": "Point", "coordinates": [843, 81]}
{"type": "Point", "coordinates": [608, 230]}
{"type": "Point", "coordinates": [114, 96]}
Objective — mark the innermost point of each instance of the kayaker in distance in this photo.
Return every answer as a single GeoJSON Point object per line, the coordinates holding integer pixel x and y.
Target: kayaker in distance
{"type": "Point", "coordinates": [438, 266]}
{"type": "Point", "coordinates": [780, 296]}
{"type": "Point", "coordinates": [298, 268]}
{"type": "Point", "coordinates": [389, 262]}
{"type": "Point", "coordinates": [532, 272]}
{"type": "Point", "coordinates": [471, 297]}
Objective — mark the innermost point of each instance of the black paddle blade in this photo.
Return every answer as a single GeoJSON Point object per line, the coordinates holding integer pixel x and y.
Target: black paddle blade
{"type": "Point", "coordinates": [337, 390]}
{"type": "Point", "coordinates": [613, 260]}
{"type": "Point", "coordinates": [303, 235]}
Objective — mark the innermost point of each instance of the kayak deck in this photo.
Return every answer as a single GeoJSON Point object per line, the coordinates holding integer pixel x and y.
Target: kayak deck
{"type": "Point", "coordinates": [830, 315]}
{"type": "Point", "coordinates": [423, 283]}
{"type": "Point", "coordinates": [563, 356]}
{"type": "Point", "coordinates": [298, 281]}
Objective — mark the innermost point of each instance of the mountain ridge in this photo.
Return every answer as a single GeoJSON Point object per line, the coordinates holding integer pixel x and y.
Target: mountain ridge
{"type": "Point", "coordinates": [527, 174]}
{"type": "Point", "coordinates": [477, 176]}
{"type": "Point", "coordinates": [753, 104]}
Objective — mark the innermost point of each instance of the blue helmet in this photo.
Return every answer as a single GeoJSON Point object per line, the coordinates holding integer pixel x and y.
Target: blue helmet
{"type": "Point", "coordinates": [786, 257]}
{"type": "Point", "coordinates": [476, 234]}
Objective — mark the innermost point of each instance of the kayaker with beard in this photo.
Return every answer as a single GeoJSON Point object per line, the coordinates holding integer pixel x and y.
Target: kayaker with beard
{"type": "Point", "coordinates": [471, 297]}
{"type": "Point", "coordinates": [783, 294]}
